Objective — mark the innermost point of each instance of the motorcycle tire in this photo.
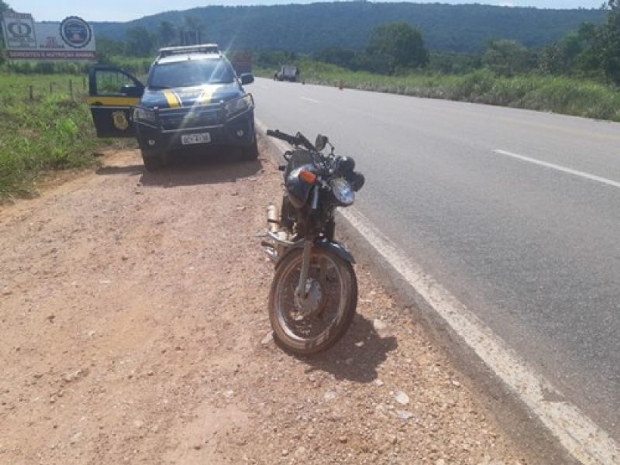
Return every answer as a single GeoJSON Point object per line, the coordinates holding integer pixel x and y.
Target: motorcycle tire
{"type": "Point", "coordinates": [317, 323]}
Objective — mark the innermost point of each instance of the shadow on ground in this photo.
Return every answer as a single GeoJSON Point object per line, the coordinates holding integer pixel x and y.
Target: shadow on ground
{"type": "Point", "coordinates": [191, 168]}
{"type": "Point", "coordinates": [357, 356]}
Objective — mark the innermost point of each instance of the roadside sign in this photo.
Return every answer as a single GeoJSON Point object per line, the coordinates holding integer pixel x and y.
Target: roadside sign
{"type": "Point", "coordinates": [25, 39]}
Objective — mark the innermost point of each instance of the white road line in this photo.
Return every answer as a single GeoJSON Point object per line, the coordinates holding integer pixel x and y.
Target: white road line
{"type": "Point", "coordinates": [310, 100]}
{"type": "Point", "coordinates": [591, 177]}
{"type": "Point", "coordinates": [588, 443]}
{"type": "Point", "coordinates": [581, 437]}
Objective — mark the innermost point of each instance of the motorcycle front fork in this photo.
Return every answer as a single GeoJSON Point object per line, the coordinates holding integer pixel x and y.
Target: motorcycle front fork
{"type": "Point", "coordinates": [301, 291]}
{"type": "Point", "coordinates": [302, 288]}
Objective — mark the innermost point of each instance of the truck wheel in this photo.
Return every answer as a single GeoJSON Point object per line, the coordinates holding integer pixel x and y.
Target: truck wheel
{"type": "Point", "coordinates": [151, 161]}
{"type": "Point", "coordinates": [250, 153]}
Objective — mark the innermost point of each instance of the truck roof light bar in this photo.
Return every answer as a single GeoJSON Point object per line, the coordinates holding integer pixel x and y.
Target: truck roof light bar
{"type": "Point", "coordinates": [202, 48]}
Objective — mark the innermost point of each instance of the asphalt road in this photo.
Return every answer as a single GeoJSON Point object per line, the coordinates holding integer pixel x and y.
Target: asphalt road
{"type": "Point", "coordinates": [514, 212]}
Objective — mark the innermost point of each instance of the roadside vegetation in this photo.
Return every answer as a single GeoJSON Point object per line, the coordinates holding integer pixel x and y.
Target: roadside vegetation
{"type": "Point", "coordinates": [557, 94]}
{"type": "Point", "coordinates": [45, 124]}
{"type": "Point", "coordinates": [42, 128]}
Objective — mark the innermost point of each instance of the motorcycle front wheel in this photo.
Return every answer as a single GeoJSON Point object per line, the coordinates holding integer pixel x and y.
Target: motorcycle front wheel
{"type": "Point", "coordinates": [315, 322]}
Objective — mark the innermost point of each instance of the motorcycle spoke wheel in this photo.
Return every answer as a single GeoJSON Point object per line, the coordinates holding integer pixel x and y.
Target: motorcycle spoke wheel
{"type": "Point", "coordinates": [311, 325]}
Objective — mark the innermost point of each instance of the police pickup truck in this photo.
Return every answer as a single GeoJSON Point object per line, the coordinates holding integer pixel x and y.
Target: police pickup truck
{"type": "Point", "coordinates": [192, 98]}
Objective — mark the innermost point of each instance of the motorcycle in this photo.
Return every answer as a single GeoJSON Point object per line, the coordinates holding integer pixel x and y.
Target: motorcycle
{"type": "Point", "coordinates": [313, 295]}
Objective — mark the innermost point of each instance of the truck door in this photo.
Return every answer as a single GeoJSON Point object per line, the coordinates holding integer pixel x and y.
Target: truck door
{"type": "Point", "coordinates": [112, 94]}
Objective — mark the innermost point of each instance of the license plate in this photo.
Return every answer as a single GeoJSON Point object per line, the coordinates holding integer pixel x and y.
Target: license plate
{"type": "Point", "coordinates": [201, 138]}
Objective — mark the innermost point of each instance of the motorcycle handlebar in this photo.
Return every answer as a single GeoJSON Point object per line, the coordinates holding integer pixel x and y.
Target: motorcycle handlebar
{"type": "Point", "coordinates": [305, 142]}
{"type": "Point", "coordinates": [298, 140]}
{"type": "Point", "coordinates": [282, 136]}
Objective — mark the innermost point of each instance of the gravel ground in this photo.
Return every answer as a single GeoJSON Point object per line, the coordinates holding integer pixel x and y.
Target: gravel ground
{"type": "Point", "coordinates": [135, 330]}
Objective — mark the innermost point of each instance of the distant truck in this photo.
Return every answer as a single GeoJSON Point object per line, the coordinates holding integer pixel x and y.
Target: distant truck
{"type": "Point", "coordinates": [287, 73]}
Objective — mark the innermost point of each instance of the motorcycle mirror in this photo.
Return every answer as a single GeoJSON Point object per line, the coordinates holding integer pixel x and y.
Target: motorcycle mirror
{"type": "Point", "coordinates": [321, 142]}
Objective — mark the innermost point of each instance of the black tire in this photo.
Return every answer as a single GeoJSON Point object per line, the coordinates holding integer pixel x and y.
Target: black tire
{"type": "Point", "coordinates": [318, 327]}
{"type": "Point", "coordinates": [250, 153]}
{"type": "Point", "coordinates": [152, 162]}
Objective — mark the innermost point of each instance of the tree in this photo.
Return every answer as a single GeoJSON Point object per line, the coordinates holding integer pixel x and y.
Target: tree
{"type": "Point", "coordinates": [496, 56]}
{"type": "Point", "coordinates": [3, 7]}
{"type": "Point", "coordinates": [337, 56]}
{"type": "Point", "coordinates": [193, 31]}
{"type": "Point", "coordinates": [396, 46]}
{"type": "Point", "coordinates": [600, 53]}
{"type": "Point", "coordinates": [562, 57]}
{"type": "Point", "coordinates": [274, 58]}
{"type": "Point", "coordinates": [108, 48]}
{"type": "Point", "coordinates": [139, 42]}
{"type": "Point", "coordinates": [610, 41]}
{"type": "Point", "coordinates": [506, 57]}
{"type": "Point", "coordinates": [167, 34]}
{"type": "Point", "coordinates": [588, 61]}
{"type": "Point", "coordinates": [446, 62]}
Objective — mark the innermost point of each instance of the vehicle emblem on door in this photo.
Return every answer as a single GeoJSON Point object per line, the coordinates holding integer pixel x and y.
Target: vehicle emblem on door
{"type": "Point", "coordinates": [120, 120]}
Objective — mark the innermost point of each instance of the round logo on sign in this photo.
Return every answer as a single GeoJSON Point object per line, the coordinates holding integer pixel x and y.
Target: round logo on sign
{"type": "Point", "coordinates": [75, 32]}
{"type": "Point", "coordinates": [20, 30]}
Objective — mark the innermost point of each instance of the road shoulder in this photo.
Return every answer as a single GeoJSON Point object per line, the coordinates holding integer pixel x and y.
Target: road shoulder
{"type": "Point", "coordinates": [134, 312]}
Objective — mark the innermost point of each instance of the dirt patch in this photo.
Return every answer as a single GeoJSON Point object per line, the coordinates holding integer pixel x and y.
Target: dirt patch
{"type": "Point", "coordinates": [135, 330]}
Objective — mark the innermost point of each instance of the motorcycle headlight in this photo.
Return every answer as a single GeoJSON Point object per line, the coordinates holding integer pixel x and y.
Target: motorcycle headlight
{"type": "Point", "coordinates": [144, 115]}
{"type": "Point", "coordinates": [238, 105]}
{"type": "Point", "coordinates": [343, 192]}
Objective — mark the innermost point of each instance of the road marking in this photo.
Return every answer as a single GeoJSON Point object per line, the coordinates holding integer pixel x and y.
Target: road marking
{"type": "Point", "coordinates": [591, 177]}
{"type": "Point", "coordinates": [578, 434]}
{"type": "Point", "coordinates": [310, 100]}
{"type": "Point", "coordinates": [581, 437]}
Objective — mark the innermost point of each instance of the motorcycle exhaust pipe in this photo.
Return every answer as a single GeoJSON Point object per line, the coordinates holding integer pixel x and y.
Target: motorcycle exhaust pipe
{"type": "Point", "coordinates": [273, 218]}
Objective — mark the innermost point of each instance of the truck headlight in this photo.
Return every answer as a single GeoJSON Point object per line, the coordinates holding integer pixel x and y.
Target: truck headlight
{"type": "Point", "coordinates": [238, 105]}
{"type": "Point", "coordinates": [144, 115]}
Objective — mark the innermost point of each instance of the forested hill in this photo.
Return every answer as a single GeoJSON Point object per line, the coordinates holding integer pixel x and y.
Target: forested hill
{"type": "Point", "coordinates": [312, 27]}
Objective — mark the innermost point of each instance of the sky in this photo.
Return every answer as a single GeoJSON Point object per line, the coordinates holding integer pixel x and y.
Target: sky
{"type": "Point", "coordinates": [127, 10]}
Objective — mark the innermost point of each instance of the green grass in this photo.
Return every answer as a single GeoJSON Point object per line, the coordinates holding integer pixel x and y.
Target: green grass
{"type": "Point", "coordinates": [45, 125]}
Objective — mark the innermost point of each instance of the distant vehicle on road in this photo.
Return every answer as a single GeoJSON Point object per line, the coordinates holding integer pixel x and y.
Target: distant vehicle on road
{"type": "Point", "coordinates": [287, 73]}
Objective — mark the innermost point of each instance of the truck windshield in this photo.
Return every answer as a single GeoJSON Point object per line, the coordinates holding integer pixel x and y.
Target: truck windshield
{"type": "Point", "coordinates": [190, 73]}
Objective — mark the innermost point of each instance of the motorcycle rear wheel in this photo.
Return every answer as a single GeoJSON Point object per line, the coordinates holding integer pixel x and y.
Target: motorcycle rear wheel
{"type": "Point", "coordinates": [313, 325]}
